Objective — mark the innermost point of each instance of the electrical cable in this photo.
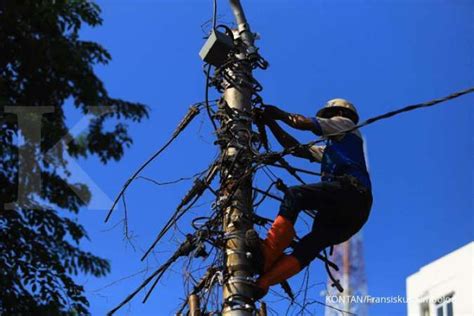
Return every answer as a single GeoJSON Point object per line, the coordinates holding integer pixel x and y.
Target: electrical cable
{"type": "Point", "coordinates": [208, 72]}
{"type": "Point", "coordinates": [193, 195]}
{"type": "Point", "coordinates": [172, 181]}
{"type": "Point", "coordinates": [264, 195]}
{"type": "Point", "coordinates": [313, 173]}
{"type": "Point", "coordinates": [174, 218]}
{"type": "Point", "coordinates": [214, 14]}
{"type": "Point", "coordinates": [190, 115]}
{"type": "Point", "coordinates": [206, 97]}
{"type": "Point", "coordinates": [158, 272]}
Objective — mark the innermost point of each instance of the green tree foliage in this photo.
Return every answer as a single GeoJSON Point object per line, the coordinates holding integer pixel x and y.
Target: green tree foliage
{"type": "Point", "coordinates": [43, 62]}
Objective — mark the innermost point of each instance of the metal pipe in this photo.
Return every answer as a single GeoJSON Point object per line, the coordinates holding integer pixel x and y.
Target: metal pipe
{"type": "Point", "coordinates": [238, 11]}
{"type": "Point", "coordinates": [242, 26]}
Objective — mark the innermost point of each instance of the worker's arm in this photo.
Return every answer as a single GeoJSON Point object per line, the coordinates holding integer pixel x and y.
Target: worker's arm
{"type": "Point", "coordinates": [288, 141]}
{"type": "Point", "coordinates": [319, 126]}
{"type": "Point", "coordinates": [297, 121]}
{"type": "Point", "coordinates": [333, 125]}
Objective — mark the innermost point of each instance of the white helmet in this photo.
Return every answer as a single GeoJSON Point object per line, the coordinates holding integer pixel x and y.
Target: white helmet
{"type": "Point", "coordinates": [335, 105]}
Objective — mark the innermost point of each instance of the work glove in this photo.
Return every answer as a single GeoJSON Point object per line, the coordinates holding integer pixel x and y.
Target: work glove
{"type": "Point", "coordinates": [271, 112]}
{"type": "Point", "coordinates": [260, 117]}
{"type": "Point", "coordinates": [257, 114]}
{"type": "Point", "coordinates": [270, 157]}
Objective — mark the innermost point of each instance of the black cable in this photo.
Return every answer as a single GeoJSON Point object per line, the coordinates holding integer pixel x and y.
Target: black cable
{"type": "Point", "coordinates": [413, 107]}
{"type": "Point", "coordinates": [184, 249]}
{"type": "Point", "coordinates": [158, 278]}
{"type": "Point", "coordinates": [172, 181]}
{"type": "Point", "coordinates": [310, 213]}
{"type": "Point", "coordinates": [227, 29]}
{"type": "Point", "coordinates": [191, 197]}
{"type": "Point", "coordinates": [208, 72]}
{"type": "Point", "coordinates": [200, 218]}
{"type": "Point", "coordinates": [335, 283]}
{"type": "Point", "coordinates": [206, 97]}
{"type": "Point", "coordinates": [267, 171]}
{"type": "Point", "coordinates": [313, 173]}
{"type": "Point", "coordinates": [214, 14]}
{"type": "Point", "coordinates": [199, 286]}
{"type": "Point", "coordinates": [271, 172]}
{"type": "Point", "coordinates": [264, 195]}
{"type": "Point", "coordinates": [158, 272]}
{"type": "Point", "coordinates": [174, 218]}
{"type": "Point", "coordinates": [190, 115]}
{"type": "Point", "coordinates": [290, 170]}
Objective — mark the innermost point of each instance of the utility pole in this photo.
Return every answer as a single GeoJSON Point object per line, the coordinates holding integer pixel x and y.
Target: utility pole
{"type": "Point", "coordinates": [238, 288]}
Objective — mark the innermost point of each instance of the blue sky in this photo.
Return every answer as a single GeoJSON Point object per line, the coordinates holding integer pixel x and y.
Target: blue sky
{"type": "Point", "coordinates": [381, 55]}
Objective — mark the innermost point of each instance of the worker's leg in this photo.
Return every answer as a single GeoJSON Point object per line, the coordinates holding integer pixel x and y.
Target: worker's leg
{"type": "Point", "coordinates": [288, 265]}
{"type": "Point", "coordinates": [279, 237]}
{"type": "Point", "coordinates": [313, 196]}
{"type": "Point", "coordinates": [334, 228]}
{"type": "Point", "coordinates": [284, 268]}
{"type": "Point", "coordinates": [329, 228]}
{"type": "Point", "coordinates": [323, 197]}
{"type": "Point", "coordinates": [323, 235]}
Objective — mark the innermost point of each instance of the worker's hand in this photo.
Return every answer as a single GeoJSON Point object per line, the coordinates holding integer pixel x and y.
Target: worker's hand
{"type": "Point", "coordinates": [271, 112]}
{"type": "Point", "coordinates": [259, 116]}
{"type": "Point", "coordinates": [270, 157]}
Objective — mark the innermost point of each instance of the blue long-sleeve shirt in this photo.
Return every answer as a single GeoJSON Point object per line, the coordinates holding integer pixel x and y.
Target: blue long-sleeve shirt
{"type": "Point", "coordinates": [342, 155]}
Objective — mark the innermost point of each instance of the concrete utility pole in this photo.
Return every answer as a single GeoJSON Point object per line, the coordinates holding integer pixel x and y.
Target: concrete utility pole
{"type": "Point", "coordinates": [238, 288]}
